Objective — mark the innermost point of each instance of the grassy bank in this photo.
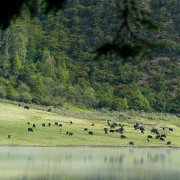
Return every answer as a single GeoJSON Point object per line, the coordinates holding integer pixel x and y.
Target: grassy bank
{"type": "Point", "coordinates": [13, 121]}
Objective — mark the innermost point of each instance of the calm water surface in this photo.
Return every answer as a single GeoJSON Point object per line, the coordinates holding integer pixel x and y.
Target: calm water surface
{"type": "Point", "coordinates": [78, 163]}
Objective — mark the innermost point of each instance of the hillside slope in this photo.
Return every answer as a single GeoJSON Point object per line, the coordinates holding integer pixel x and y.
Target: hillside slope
{"type": "Point", "coordinates": [50, 60]}
{"type": "Point", "coordinates": [14, 122]}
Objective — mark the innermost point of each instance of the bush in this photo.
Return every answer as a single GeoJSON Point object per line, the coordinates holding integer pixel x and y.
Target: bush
{"type": "Point", "coordinates": [25, 97]}
{"type": "Point", "coordinates": [12, 94]}
{"type": "Point", "coordinates": [3, 93]}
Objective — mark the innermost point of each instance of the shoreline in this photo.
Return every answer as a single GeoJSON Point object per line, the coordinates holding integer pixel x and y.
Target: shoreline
{"type": "Point", "coordinates": [91, 146]}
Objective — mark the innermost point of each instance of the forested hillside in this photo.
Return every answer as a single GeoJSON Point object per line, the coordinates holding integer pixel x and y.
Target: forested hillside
{"type": "Point", "coordinates": [51, 60]}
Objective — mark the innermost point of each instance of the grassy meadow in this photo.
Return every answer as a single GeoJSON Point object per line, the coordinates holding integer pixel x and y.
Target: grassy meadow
{"type": "Point", "coordinates": [14, 118]}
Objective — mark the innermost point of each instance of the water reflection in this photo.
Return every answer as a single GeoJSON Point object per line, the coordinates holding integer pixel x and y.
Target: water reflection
{"type": "Point", "coordinates": [88, 163]}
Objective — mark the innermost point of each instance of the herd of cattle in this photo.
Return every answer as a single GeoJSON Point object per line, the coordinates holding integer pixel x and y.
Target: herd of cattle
{"type": "Point", "coordinates": [112, 127]}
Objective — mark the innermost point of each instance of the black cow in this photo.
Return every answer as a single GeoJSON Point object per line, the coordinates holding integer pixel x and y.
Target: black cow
{"type": "Point", "coordinates": [60, 125]}
{"type": "Point", "coordinates": [131, 143]}
{"type": "Point", "coordinates": [30, 129]}
{"type": "Point", "coordinates": [71, 122]}
{"type": "Point", "coordinates": [67, 132]}
{"type": "Point", "coordinates": [33, 125]}
{"type": "Point", "coordinates": [123, 137]}
{"type": "Point", "coordinates": [169, 143]}
{"type": "Point", "coordinates": [163, 135]}
{"type": "Point", "coordinates": [158, 136]}
{"type": "Point", "coordinates": [49, 124]}
{"type": "Point", "coordinates": [70, 133]}
{"type": "Point", "coordinates": [111, 130]}
{"type": "Point", "coordinates": [171, 129]}
{"type": "Point", "coordinates": [43, 124]}
{"type": "Point", "coordinates": [150, 137]}
{"type": "Point", "coordinates": [26, 107]}
{"type": "Point", "coordinates": [85, 129]}
{"type": "Point", "coordinates": [9, 136]}
{"type": "Point", "coordinates": [90, 133]}
{"type": "Point", "coordinates": [162, 139]}
{"type": "Point", "coordinates": [112, 126]}
{"type": "Point", "coordinates": [154, 130]}
{"type": "Point", "coordinates": [157, 132]}
{"type": "Point", "coordinates": [142, 132]}
{"type": "Point", "coordinates": [136, 127]}
{"type": "Point", "coordinates": [141, 128]}
{"type": "Point", "coordinates": [56, 123]}
{"type": "Point", "coordinates": [28, 123]}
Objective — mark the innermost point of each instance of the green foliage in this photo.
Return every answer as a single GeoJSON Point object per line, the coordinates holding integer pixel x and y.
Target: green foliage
{"type": "Point", "coordinates": [25, 97]}
{"type": "Point", "coordinates": [140, 102]}
{"type": "Point", "coordinates": [51, 60]}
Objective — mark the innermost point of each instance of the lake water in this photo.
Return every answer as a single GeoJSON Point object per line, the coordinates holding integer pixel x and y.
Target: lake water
{"type": "Point", "coordinates": [85, 163]}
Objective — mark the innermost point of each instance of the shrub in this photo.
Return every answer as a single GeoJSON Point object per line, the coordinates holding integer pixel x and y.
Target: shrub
{"type": "Point", "coordinates": [25, 97]}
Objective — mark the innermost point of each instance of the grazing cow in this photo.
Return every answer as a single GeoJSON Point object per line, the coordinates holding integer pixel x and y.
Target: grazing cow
{"type": "Point", "coordinates": [92, 124]}
{"type": "Point", "coordinates": [9, 136]}
{"type": "Point", "coordinates": [141, 128]}
{"type": "Point", "coordinates": [123, 137]}
{"type": "Point", "coordinates": [71, 122]}
{"type": "Point", "coordinates": [85, 129]}
{"type": "Point", "coordinates": [112, 126]}
{"type": "Point", "coordinates": [43, 124]}
{"type": "Point", "coordinates": [163, 135]}
{"type": "Point", "coordinates": [90, 133]}
{"type": "Point", "coordinates": [154, 130]}
{"type": "Point", "coordinates": [33, 125]}
{"type": "Point", "coordinates": [157, 132]}
{"type": "Point", "coordinates": [169, 143]}
{"type": "Point", "coordinates": [136, 127]}
{"type": "Point", "coordinates": [60, 125]}
{"type": "Point", "coordinates": [111, 130]}
{"type": "Point", "coordinates": [56, 123]}
{"type": "Point", "coordinates": [150, 137]}
{"type": "Point", "coordinates": [171, 129]}
{"type": "Point", "coordinates": [26, 107]}
{"type": "Point", "coordinates": [28, 123]}
{"type": "Point", "coordinates": [49, 110]}
{"type": "Point", "coordinates": [49, 124]}
{"type": "Point", "coordinates": [162, 139]}
{"type": "Point", "coordinates": [131, 143]}
{"type": "Point", "coordinates": [70, 133]}
{"type": "Point", "coordinates": [30, 129]}
{"type": "Point", "coordinates": [158, 136]}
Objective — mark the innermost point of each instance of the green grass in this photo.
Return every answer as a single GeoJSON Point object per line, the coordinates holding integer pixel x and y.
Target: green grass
{"type": "Point", "coordinates": [13, 121]}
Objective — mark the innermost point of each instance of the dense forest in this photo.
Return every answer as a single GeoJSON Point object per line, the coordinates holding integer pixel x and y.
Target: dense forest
{"type": "Point", "coordinates": [51, 59]}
